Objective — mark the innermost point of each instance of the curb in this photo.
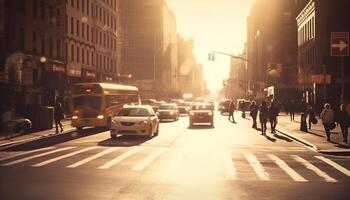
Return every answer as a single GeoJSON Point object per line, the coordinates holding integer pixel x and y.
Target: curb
{"type": "Point", "coordinates": [302, 141]}
{"type": "Point", "coordinates": [19, 142]}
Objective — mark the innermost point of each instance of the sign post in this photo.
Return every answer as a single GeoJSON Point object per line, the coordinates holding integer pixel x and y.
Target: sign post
{"type": "Point", "coordinates": [340, 48]}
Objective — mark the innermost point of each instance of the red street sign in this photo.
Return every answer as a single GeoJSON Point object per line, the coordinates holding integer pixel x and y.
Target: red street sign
{"type": "Point", "coordinates": [340, 44]}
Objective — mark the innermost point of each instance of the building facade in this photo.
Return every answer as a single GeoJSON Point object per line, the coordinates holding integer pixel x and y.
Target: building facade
{"type": "Point", "coordinates": [149, 46]}
{"type": "Point", "coordinates": [319, 72]}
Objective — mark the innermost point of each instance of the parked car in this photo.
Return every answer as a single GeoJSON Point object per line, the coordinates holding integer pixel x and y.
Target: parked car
{"type": "Point", "coordinates": [201, 113]}
{"type": "Point", "coordinates": [223, 106]}
{"type": "Point", "coordinates": [135, 120]}
{"type": "Point", "coordinates": [184, 108]}
{"type": "Point", "coordinates": [168, 111]}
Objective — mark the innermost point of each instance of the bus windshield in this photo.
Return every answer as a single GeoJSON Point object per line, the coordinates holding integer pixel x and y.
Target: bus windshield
{"type": "Point", "coordinates": [87, 106]}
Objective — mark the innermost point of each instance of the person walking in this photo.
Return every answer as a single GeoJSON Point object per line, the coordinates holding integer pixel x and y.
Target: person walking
{"type": "Point", "coordinates": [263, 114]}
{"type": "Point", "coordinates": [254, 113]}
{"type": "Point", "coordinates": [327, 117]}
{"type": "Point", "coordinates": [291, 108]}
{"type": "Point", "coordinates": [58, 115]}
{"type": "Point", "coordinates": [231, 110]}
{"type": "Point", "coordinates": [344, 121]}
{"type": "Point", "coordinates": [273, 112]}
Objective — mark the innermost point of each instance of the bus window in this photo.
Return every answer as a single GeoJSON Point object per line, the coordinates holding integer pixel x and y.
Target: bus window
{"type": "Point", "coordinates": [87, 106]}
{"type": "Point", "coordinates": [112, 100]}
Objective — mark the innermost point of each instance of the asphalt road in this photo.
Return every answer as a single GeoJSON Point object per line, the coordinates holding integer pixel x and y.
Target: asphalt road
{"type": "Point", "coordinates": [229, 161]}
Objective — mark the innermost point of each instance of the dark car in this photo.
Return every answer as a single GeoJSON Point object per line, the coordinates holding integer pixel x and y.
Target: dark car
{"type": "Point", "coordinates": [184, 108]}
{"type": "Point", "coordinates": [201, 113]}
{"type": "Point", "coordinates": [224, 106]}
{"type": "Point", "coordinates": [168, 111]}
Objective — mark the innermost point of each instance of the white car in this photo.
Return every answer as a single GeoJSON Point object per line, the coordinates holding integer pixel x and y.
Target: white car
{"type": "Point", "coordinates": [135, 120]}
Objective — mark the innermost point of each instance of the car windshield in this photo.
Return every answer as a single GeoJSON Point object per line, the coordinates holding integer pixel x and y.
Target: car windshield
{"type": "Point", "coordinates": [167, 107]}
{"type": "Point", "coordinates": [201, 107]}
{"type": "Point", "coordinates": [134, 112]}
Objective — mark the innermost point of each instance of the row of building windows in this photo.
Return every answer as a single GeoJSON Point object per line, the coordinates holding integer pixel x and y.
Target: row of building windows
{"type": "Point", "coordinates": [88, 57]}
{"type": "Point", "coordinates": [90, 34]}
{"type": "Point", "coordinates": [46, 12]}
{"type": "Point", "coordinates": [307, 31]}
{"type": "Point", "coordinates": [97, 11]}
{"type": "Point", "coordinates": [41, 46]}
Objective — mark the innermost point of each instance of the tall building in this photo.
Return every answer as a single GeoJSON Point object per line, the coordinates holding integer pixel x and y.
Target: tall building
{"type": "Point", "coordinates": [149, 46]}
{"type": "Point", "coordinates": [316, 22]}
{"type": "Point", "coordinates": [45, 46]}
{"type": "Point", "coordinates": [272, 48]}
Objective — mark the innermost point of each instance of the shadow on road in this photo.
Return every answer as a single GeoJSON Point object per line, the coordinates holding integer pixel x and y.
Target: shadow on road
{"type": "Point", "coordinates": [280, 137]}
{"type": "Point", "coordinates": [124, 141]}
{"type": "Point", "coordinates": [54, 139]}
{"type": "Point", "coordinates": [201, 127]}
{"type": "Point", "coordinates": [270, 138]}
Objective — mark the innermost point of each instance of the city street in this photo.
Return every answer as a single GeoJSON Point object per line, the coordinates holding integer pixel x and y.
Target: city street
{"type": "Point", "coordinates": [229, 161]}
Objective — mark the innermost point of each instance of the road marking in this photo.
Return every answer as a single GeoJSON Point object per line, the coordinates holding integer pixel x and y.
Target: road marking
{"type": "Point", "coordinates": [119, 158]}
{"type": "Point", "coordinates": [334, 165]}
{"type": "Point", "coordinates": [36, 156]}
{"type": "Point", "coordinates": [291, 172]}
{"type": "Point", "coordinates": [93, 157]}
{"type": "Point", "coordinates": [25, 153]}
{"type": "Point", "coordinates": [258, 168]}
{"type": "Point", "coordinates": [230, 170]}
{"type": "Point", "coordinates": [313, 168]}
{"type": "Point", "coordinates": [145, 162]}
{"type": "Point", "coordinates": [63, 157]}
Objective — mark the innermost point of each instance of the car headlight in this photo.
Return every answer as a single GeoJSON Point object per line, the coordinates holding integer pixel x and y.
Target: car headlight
{"type": "Point", "coordinates": [75, 117]}
{"type": "Point", "coordinates": [100, 117]}
{"type": "Point", "coordinates": [171, 113]}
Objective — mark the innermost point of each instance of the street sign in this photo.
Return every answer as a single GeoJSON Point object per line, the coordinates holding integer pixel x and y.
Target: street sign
{"type": "Point", "coordinates": [320, 78]}
{"type": "Point", "coordinates": [340, 44]}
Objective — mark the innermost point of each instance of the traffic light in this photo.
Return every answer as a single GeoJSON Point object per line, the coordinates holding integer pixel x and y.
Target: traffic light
{"type": "Point", "coordinates": [211, 56]}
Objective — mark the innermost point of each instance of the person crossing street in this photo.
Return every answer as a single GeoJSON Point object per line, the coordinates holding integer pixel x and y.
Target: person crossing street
{"type": "Point", "coordinates": [254, 113]}
{"type": "Point", "coordinates": [231, 110]}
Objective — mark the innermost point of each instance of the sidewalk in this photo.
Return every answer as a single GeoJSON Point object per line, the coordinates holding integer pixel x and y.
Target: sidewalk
{"type": "Point", "coordinates": [315, 137]}
{"type": "Point", "coordinates": [7, 139]}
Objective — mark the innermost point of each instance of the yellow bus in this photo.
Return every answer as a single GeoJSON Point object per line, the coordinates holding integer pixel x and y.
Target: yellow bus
{"type": "Point", "coordinates": [94, 104]}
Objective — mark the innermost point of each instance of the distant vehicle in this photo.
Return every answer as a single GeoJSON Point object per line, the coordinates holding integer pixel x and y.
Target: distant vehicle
{"type": "Point", "coordinates": [184, 108]}
{"type": "Point", "coordinates": [151, 102]}
{"type": "Point", "coordinates": [157, 104]}
{"type": "Point", "coordinates": [243, 104]}
{"type": "Point", "coordinates": [224, 106]}
{"type": "Point", "coordinates": [168, 111]}
{"type": "Point", "coordinates": [94, 104]}
{"type": "Point", "coordinates": [135, 120]}
{"type": "Point", "coordinates": [177, 101]}
{"type": "Point", "coordinates": [201, 113]}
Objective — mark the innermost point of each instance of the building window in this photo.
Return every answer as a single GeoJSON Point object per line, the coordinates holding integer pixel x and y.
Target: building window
{"type": "Point", "coordinates": [87, 57]}
{"type": "Point", "coordinates": [87, 32]}
{"type": "Point", "coordinates": [82, 30]}
{"type": "Point", "coordinates": [83, 5]}
{"type": "Point", "coordinates": [50, 47]}
{"type": "Point", "coordinates": [66, 51]}
{"type": "Point", "coordinates": [92, 58]}
{"type": "Point", "coordinates": [72, 53]}
{"type": "Point", "coordinates": [83, 55]}
{"type": "Point", "coordinates": [71, 26]}
{"type": "Point", "coordinates": [58, 18]}
{"type": "Point", "coordinates": [34, 9]}
{"type": "Point", "coordinates": [58, 49]}
{"type": "Point", "coordinates": [34, 42]}
{"type": "Point", "coordinates": [87, 7]}
{"type": "Point", "coordinates": [72, 3]}
{"type": "Point", "coordinates": [97, 61]}
{"type": "Point", "coordinates": [78, 54]}
{"type": "Point", "coordinates": [78, 4]}
{"type": "Point", "coordinates": [78, 28]}
{"type": "Point", "coordinates": [66, 23]}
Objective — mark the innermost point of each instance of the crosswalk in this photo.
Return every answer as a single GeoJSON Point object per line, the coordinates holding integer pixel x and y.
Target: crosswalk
{"type": "Point", "coordinates": [261, 166]}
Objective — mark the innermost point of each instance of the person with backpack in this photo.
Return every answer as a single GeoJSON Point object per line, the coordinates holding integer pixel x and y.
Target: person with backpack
{"type": "Point", "coordinates": [327, 117]}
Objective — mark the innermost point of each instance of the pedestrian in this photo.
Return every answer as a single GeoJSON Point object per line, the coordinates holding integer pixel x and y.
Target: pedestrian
{"type": "Point", "coordinates": [243, 108]}
{"type": "Point", "coordinates": [273, 112]}
{"type": "Point", "coordinates": [291, 108]}
{"type": "Point", "coordinates": [311, 114]}
{"type": "Point", "coordinates": [254, 113]}
{"type": "Point", "coordinates": [231, 110]}
{"type": "Point", "coordinates": [58, 115]}
{"type": "Point", "coordinates": [344, 121]}
{"type": "Point", "coordinates": [327, 117]}
{"type": "Point", "coordinates": [263, 114]}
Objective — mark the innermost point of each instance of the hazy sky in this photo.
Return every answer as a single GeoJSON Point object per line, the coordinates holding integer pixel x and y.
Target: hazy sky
{"type": "Point", "coordinates": [215, 25]}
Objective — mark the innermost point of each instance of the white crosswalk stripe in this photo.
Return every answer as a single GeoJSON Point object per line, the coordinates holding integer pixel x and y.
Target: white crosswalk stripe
{"type": "Point", "coordinates": [144, 163]}
{"type": "Point", "coordinates": [334, 165]}
{"type": "Point", "coordinates": [36, 156]}
{"type": "Point", "coordinates": [119, 158]}
{"type": "Point", "coordinates": [258, 168]}
{"type": "Point", "coordinates": [63, 157]}
{"type": "Point", "coordinates": [93, 157]}
{"type": "Point", "coordinates": [313, 168]}
{"type": "Point", "coordinates": [291, 172]}
{"type": "Point", "coordinates": [25, 153]}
